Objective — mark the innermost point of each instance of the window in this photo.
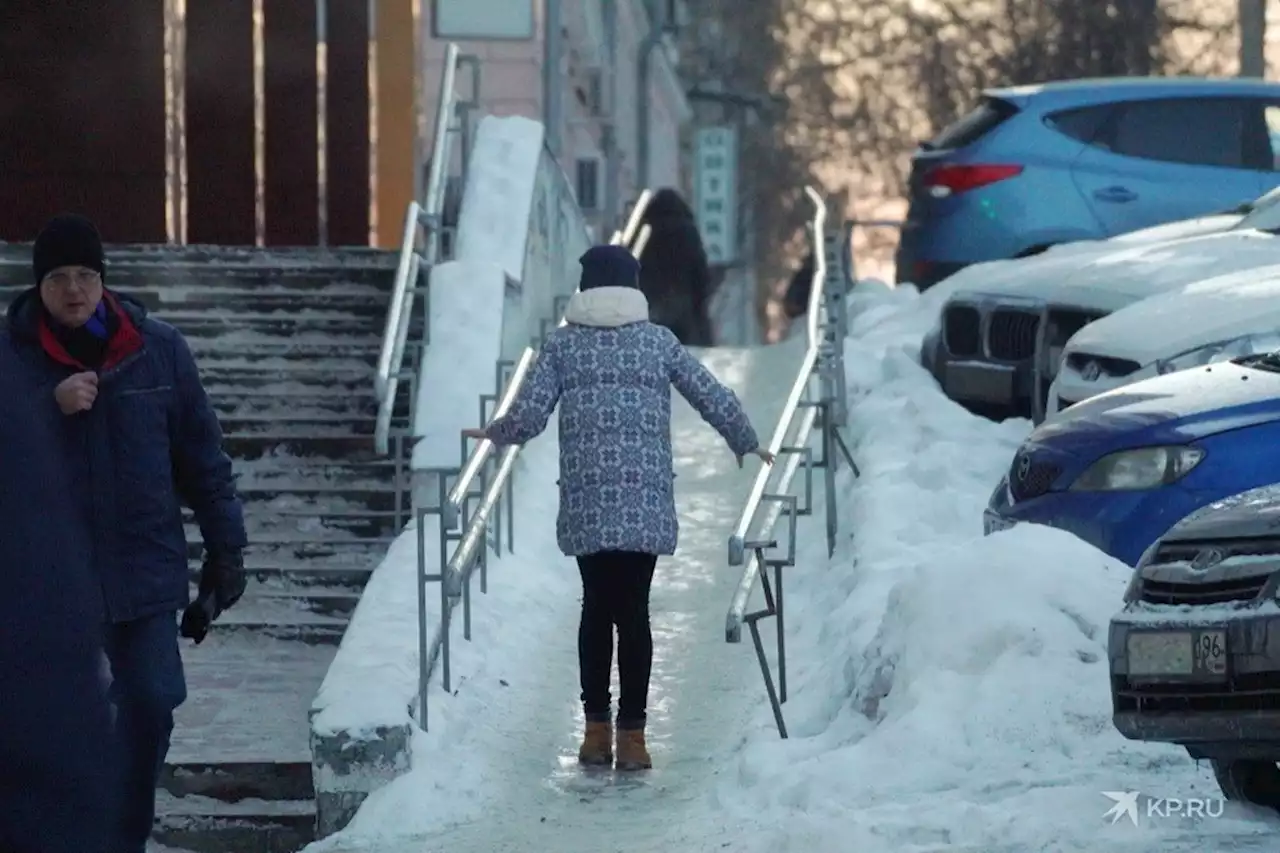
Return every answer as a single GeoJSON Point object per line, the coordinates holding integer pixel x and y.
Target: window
{"type": "Point", "coordinates": [1271, 114]}
{"type": "Point", "coordinates": [587, 183]}
{"type": "Point", "coordinates": [1080, 124]}
{"type": "Point", "coordinates": [1194, 131]}
{"type": "Point", "coordinates": [988, 115]}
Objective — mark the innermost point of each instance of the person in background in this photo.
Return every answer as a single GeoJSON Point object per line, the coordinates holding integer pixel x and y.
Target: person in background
{"type": "Point", "coordinates": [56, 779]}
{"type": "Point", "coordinates": [796, 300]}
{"type": "Point", "coordinates": [142, 439]}
{"type": "Point", "coordinates": [675, 275]}
{"type": "Point", "coordinates": [610, 371]}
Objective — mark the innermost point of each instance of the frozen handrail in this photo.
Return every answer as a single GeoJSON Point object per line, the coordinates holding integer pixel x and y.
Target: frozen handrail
{"type": "Point", "coordinates": [428, 217]}
{"type": "Point", "coordinates": [818, 390]}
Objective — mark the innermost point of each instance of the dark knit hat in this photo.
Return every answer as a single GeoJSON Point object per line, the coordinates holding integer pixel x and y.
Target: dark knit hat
{"type": "Point", "coordinates": [68, 240]}
{"type": "Point", "coordinates": [609, 266]}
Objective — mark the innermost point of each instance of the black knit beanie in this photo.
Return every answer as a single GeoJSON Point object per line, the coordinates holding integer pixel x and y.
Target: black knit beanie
{"type": "Point", "coordinates": [68, 240]}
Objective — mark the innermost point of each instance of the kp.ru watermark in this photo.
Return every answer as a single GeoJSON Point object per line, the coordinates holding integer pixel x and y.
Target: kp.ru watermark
{"type": "Point", "coordinates": [1137, 807]}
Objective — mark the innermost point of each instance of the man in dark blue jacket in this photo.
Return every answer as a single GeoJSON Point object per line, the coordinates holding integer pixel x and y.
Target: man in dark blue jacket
{"type": "Point", "coordinates": [55, 780]}
{"type": "Point", "coordinates": [142, 439]}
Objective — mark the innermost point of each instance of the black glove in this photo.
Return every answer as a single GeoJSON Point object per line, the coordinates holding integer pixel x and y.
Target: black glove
{"type": "Point", "coordinates": [222, 583]}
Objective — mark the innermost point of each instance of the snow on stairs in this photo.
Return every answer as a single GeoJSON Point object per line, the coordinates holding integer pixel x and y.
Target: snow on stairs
{"type": "Point", "coordinates": [287, 341]}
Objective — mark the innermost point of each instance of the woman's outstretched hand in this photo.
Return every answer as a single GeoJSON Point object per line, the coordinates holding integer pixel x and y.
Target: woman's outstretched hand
{"type": "Point", "coordinates": [765, 455]}
{"type": "Point", "coordinates": [478, 433]}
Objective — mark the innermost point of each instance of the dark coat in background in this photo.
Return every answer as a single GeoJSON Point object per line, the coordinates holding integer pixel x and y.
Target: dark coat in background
{"type": "Point", "coordinates": [674, 273]}
{"type": "Point", "coordinates": [56, 776]}
{"type": "Point", "coordinates": [796, 302]}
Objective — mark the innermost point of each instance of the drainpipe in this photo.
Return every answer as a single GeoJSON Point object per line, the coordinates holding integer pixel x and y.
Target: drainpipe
{"type": "Point", "coordinates": [644, 71]}
{"type": "Point", "coordinates": [552, 85]}
{"type": "Point", "coordinates": [609, 132]}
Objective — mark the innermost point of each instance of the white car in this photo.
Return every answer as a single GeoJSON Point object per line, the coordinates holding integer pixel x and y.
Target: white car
{"type": "Point", "coordinates": [1218, 319]}
{"type": "Point", "coordinates": [982, 350]}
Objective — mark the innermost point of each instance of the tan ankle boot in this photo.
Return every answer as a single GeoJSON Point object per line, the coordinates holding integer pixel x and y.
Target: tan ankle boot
{"type": "Point", "coordinates": [632, 754]}
{"type": "Point", "coordinates": [597, 745]}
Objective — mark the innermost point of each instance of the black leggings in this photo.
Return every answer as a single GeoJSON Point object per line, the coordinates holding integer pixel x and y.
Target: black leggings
{"type": "Point", "coordinates": [615, 591]}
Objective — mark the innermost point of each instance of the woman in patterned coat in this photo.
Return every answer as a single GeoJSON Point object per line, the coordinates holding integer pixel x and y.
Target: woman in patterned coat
{"type": "Point", "coordinates": [610, 371]}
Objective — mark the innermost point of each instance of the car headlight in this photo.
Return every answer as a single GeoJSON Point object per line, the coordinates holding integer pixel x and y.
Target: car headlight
{"type": "Point", "coordinates": [1220, 351]}
{"type": "Point", "coordinates": [1142, 468]}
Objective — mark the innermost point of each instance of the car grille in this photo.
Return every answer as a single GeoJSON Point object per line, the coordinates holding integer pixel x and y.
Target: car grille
{"type": "Point", "coordinates": [962, 330]}
{"type": "Point", "coordinates": [1197, 594]}
{"type": "Point", "coordinates": [1245, 692]}
{"type": "Point", "coordinates": [1116, 367]}
{"type": "Point", "coordinates": [1012, 334]}
{"type": "Point", "coordinates": [1040, 478]}
{"type": "Point", "coordinates": [1186, 550]}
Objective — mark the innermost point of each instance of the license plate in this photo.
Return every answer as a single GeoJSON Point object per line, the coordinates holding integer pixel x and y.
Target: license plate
{"type": "Point", "coordinates": [1187, 654]}
{"type": "Point", "coordinates": [987, 383]}
{"type": "Point", "coordinates": [992, 523]}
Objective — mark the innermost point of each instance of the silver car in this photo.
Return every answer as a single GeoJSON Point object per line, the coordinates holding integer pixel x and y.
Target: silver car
{"type": "Point", "coordinates": [1195, 654]}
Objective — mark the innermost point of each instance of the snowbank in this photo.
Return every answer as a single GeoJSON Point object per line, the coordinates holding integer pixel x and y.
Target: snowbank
{"type": "Point", "coordinates": [493, 224]}
{"type": "Point", "coordinates": [460, 362]}
{"type": "Point", "coordinates": [948, 691]}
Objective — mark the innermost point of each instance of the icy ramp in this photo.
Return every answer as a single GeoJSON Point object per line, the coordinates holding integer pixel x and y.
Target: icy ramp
{"type": "Point", "coordinates": [702, 690]}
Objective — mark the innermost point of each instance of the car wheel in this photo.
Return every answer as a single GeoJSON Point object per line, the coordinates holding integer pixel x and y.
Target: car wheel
{"type": "Point", "coordinates": [1249, 781]}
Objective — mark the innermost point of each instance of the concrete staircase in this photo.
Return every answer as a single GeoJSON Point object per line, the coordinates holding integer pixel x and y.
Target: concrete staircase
{"type": "Point", "coordinates": [287, 341]}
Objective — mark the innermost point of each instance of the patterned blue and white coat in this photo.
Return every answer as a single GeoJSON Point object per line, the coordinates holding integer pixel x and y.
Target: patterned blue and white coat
{"type": "Point", "coordinates": [611, 371]}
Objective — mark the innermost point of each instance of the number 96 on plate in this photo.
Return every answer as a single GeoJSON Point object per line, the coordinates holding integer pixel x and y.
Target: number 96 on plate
{"type": "Point", "coordinates": [1194, 654]}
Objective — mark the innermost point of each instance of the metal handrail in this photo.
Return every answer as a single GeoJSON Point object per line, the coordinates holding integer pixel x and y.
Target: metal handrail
{"type": "Point", "coordinates": [737, 541]}
{"type": "Point", "coordinates": [428, 217]}
{"type": "Point", "coordinates": [456, 569]}
{"type": "Point", "coordinates": [819, 389]}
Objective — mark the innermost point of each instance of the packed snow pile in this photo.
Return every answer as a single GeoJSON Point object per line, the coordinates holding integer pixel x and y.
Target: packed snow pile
{"type": "Point", "coordinates": [949, 691]}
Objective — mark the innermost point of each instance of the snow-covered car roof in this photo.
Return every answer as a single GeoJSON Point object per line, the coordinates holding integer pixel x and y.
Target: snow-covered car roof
{"type": "Point", "coordinates": [1221, 308]}
{"type": "Point", "coordinates": [1113, 280]}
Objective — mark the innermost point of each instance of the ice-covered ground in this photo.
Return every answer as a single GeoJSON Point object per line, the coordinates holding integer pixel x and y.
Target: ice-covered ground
{"type": "Point", "coordinates": [948, 692]}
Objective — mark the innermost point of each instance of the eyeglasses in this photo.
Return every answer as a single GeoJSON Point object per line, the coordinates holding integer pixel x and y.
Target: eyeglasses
{"type": "Point", "coordinates": [82, 279]}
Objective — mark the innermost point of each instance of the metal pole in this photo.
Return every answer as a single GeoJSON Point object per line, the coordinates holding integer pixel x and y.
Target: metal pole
{"type": "Point", "coordinates": [322, 119]}
{"type": "Point", "coordinates": [609, 133]}
{"type": "Point", "coordinates": [552, 85]}
{"type": "Point", "coordinates": [1253, 37]}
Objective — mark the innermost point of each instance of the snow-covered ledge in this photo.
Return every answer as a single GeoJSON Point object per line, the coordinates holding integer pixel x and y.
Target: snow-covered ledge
{"type": "Point", "coordinates": [486, 304]}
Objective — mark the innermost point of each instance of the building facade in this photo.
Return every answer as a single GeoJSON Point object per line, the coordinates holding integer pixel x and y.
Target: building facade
{"type": "Point", "coordinates": [291, 122]}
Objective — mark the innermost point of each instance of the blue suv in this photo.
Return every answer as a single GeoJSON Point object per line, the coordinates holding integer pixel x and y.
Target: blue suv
{"type": "Point", "coordinates": [1034, 166]}
{"type": "Point", "coordinates": [1120, 469]}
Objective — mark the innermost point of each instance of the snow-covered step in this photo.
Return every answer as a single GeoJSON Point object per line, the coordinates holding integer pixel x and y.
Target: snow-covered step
{"type": "Point", "coordinates": [289, 573]}
{"type": "Point", "coordinates": [234, 349]}
{"type": "Point", "coordinates": [336, 603]}
{"type": "Point", "coordinates": [281, 618]}
{"type": "Point", "coordinates": [246, 375]}
{"type": "Point", "coordinates": [315, 493]}
{"type": "Point", "coordinates": [206, 825]}
{"type": "Point", "coordinates": [333, 548]}
{"type": "Point", "coordinates": [318, 474]}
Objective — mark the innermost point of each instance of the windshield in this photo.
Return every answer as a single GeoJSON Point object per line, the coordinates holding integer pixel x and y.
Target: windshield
{"type": "Point", "coordinates": [1264, 214]}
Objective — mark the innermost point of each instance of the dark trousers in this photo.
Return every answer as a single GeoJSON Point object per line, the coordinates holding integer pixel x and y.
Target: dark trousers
{"type": "Point", "coordinates": [615, 593]}
{"type": "Point", "coordinates": [147, 686]}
